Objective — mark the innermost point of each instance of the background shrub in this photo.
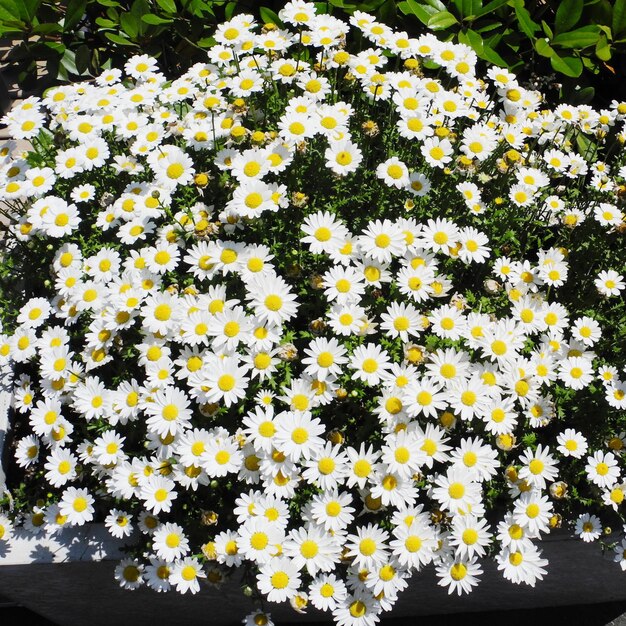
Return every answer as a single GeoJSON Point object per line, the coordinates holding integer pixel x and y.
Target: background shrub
{"type": "Point", "coordinates": [572, 49]}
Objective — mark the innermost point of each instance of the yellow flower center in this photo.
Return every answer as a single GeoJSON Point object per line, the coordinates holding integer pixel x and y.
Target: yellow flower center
{"type": "Point", "coordinates": [456, 490]}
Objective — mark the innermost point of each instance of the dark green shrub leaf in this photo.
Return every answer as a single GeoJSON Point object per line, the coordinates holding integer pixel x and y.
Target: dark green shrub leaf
{"type": "Point", "coordinates": [579, 38]}
{"type": "Point", "coordinates": [436, 4]}
{"type": "Point", "coordinates": [544, 48]}
{"type": "Point", "coordinates": [423, 13]}
{"type": "Point", "coordinates": [122, 41]}
{"type": "Point", "coordinates": [56, 46]}
{"type": "Point", "coordinates": [603, 48]}
{"type": "Point", "coordinates": [570, 66]}
{"type": "Point", "coordinates": [73, 14]}
{"type": "Point", "coordinates": [467, 8]}
{"type": "Point", "coordinates": [105, 23]}
{"type": "Point", "coordinates": [68, 62]}
{"type": "Point", "coordinates": [206, 42]}
{"type": "Point", "coordinates": [169, 6]}
{"type": "Point", "coordinates": [269, 17]}
{"type": "Point", "coordinates": [442, 20]}
{"type": "Point", "coordinates": [489, 27]}
{"type": "Point", "coordinates": [473, 39]}
{"type": "Point", "coordinates": [490, 7]}
{"type": "Point", "coordinates": [489, 54]}
{"type": "Point", "coordinates": [10, 12]}
{"type": "Point", "coordinates": [82, 59]}
{"type": "Point", "coordinates": [155, 20]}
{"type": "Point", "coordinates": [30, 8]}
{"type": "Point", "coordinates": [526, 24]}
{"type": "Point", "coordinates": [46, 29]}
{"type": "Point", "coordinates": [546, 29]}
{"type": "Point", "coordinates": [130, 25]}
{"type": "Point", "coordinates": [230, 10]}
{"type": "Point", "coordinates": [618, 22]}
{"type": "Point", "coordinates": [387, 12]}
{"type": "Point", "coordinates": [583, 96]}
{"type": "Point", "coordinates": [568, 14]}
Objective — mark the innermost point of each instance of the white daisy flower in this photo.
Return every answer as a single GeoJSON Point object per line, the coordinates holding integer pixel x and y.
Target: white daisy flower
{"type": "Point", "coordinates": [459, 575]}
{"type": "Point", "coordinates": [185, 575]}
{"type": "Point", "coordinates": [393, 172]}
{"type": "Point", "coordinates": [602, 469]}
{"type": "Point", "coordinates": [370, 362]}
{"type": "Point", "coordinates": [77, 506]}
{"type": "Point", "coordinates": [272, 299]}
{"type": "Point", "coordinates": [298, 435]}
{"type": "Point", "coordinates": [343, 157]}
{"type": "Point", "coordinates": [523, 565]}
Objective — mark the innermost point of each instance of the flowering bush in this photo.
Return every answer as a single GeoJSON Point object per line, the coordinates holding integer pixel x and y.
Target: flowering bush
{"type": "Point", "coordinates": [327, 308]}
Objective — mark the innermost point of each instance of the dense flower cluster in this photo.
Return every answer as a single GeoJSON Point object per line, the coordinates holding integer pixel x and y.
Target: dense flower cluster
{"type": "Point", "coordinates": [327, 293]}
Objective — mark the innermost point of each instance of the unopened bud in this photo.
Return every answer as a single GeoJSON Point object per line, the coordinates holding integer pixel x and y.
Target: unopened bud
{"type": "Point", "coordinates": [506, 442]}
{"type": "Point", "coordinates": [317, 325]}
{"type": "Point", "coordinates": [492, 286]}
{"type": "Point", "coordinates": [201, 179]}
{"type": "Point", "coordinates": [316, 281]}
{"type": "Point", "coordinates": [555, 521]}
{"type": "Point", "coordinates": [558, 490]}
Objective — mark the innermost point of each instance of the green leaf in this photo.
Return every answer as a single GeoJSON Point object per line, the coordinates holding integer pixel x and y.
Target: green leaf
{"type": "Point", "coordinates": [528, 27]}
{"type": "Point", "coordinates": [130, 25]}
{"type": "Point", "coordinates": [546, 29]}
{"type": "Point", "coordinates": [82, 59]}
{"type": "Point", "coordinates": [387, 11]}
{"type": "Point", "coordinates": [430, 65]}
{"type": "Point", "coordinates": [139, 8]}
{"type": "Point", "coordinates": [579, 38]}
{"type": "Point", "coordinates": [206, 42]}
{"type": "Point", "coordinates": [68, 62]}
{"type": "Point", "coordinates": [583, 96]}
{"type": "Point", "coordinates": [618, 21]}
{"type": "Point", "coordinates": [169, 6]}
{"type": "Point", "coordinates": [229, 11]}
{"type": "Point", "coordinates": [568, 14]}
{"type": "Point", "coordinates": [198, 8]}
{"type": "Point", "coordinates": [73, 14]}
{"type": "Point", "coordinates": [586, 147]}
{"type": "Point", "coordinates": [490, 7]}
{"type": "Point", "coordinates": [570, 66]}
{"type": "Point", "coordinates": [489, 27]}
{"type": "Point", "coordinates": [544, 48]}
{"type": "Point", "coordinates": [467, 8]}
{"type": "Point", "coordinates": [29, 9]}
{"type": "Point", "coordinates": [269, 17]}
{"type": "Point", "coordinates": [103, 22]}
{"type": "Point", "coordinates": [436, 4]}
{"type": "Point", "coordinates": [490, 55]}
{"type": "Point", "coordinates": [442, 20]}
{"type": "Point", "coordinates": [603, 48]}
{"type": "Point", "coordinates": [472, 39]}
{"type": "Point", "coordinates": [10, 12]}
{"type": "Point", "coordinates": [155, 20]}
{"type": "Point", "coordinates": [122, 41]}
{"type": "Point", "coordinates": [46, 29]}
{"type": "Point", "coordinates": [422, 13]}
